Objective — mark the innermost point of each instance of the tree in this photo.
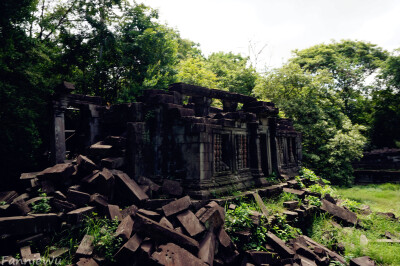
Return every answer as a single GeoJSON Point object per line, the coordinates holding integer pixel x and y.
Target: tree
{"type": "Point", "coordinates": [330, 141]}
{"type": "Point", "coordinates": [350, 63]}
{"type": "Point", "coordinates": [194, 70]}
{"type": "Point", "coordinates": [233, 72]}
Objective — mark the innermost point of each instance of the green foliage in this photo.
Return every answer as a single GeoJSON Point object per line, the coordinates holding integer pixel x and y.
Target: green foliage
{"type": "Point", "coordinates": [323, 190]}
{"type": "Point", "coordinates": [330, 141]}
{"type": "Point", "coordinates": [195, 71]}
{"type": "Point", "coordinates": [2, 203]}
{"type": "Point", "coordinates": [103, 230]}
{"type": "Point", "coordinates": [42, 206]}
{"type": "Point", "coordinates": [283, 230]}
{"type": "Point", "coordinates": [352, 205]}
{"type": "Point", "coordinates": [312, 200]}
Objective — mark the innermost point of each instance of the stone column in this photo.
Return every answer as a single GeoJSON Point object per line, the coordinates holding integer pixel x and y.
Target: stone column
{"type": "Point", "coordinates": [58, 130]}
{"type": "Point", "coordinates": [254, 150]}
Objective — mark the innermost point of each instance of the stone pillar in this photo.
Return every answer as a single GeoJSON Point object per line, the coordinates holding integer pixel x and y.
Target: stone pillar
{"type": "Point", "coordinates": [58, 131]}
{"type": "Point", "coordinates": [94, 123]}
{"type": "Point", "coordinates": [273, 141]}
{"type": "Point", "coordinates": [137, 139]}
{"type": "Point", "coordinates": [254, 150]}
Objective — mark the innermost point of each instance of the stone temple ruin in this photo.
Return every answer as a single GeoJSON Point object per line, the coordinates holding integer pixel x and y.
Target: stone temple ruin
{"type": "Point", "coordinates": [177, 134]}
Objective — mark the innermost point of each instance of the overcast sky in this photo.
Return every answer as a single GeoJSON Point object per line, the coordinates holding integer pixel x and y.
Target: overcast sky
{"type": "Point", "coordinates": [281, 25]}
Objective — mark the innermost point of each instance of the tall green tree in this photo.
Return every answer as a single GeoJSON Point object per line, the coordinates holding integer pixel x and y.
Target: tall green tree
{"type": "Point", "coordinates": [330, 141]}
{"type": "Point", "coordinates": [350, 63]}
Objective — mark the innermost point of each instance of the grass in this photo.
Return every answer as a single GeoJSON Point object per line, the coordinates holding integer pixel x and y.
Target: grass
{"type": "Point", "coordinates": [381, 198]}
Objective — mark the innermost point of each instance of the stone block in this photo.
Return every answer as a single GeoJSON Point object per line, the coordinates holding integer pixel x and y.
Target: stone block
{"type": "Point", "coordinates": [279, 246]}
{"type": "Point", "coordinates": [86, 262]}
{"type": "Point", "coordinates": [8, 196]}
{"type": "Point", "coordinates": [171, 254]}
{"type": "Point", "coordinates": [125, 228]}
{"type": "Point", "coordinates": [291, 205]}
{"type": "Point", "coordinates": [224, 239]}
{"type": "Point", "coordinates": [362, 261]}
{"type": "Point", "coordinates": [148, 182]}
{"type": "Point", "coordinates": [299, 193]}
{"type": "Point", "coordinates": [207, 248]}
{"type": "Point", "coordinates": [86, 247]}
{"type": "Point", "coordinates": [150, 214]}
{"type": "Point", "coordinates": [85, 165]}
{"type": "Point", "coordinates": [78, 215]}
{"type": "Point", "coordinates": [129, 188]}
{"type": "Point", "coordinates": [339, 212]}
{"type": "Point", "coordinates": [261, 257]}
{"type": "Point", "coordinates": [78, 198]}
{"type": "Point", "coordinates": [113, 212]}
{"type": "Point", "coordinates": [213, 218]}
{"type": "Point", "coordinates": [113, 162]}
{"type": "Point", "coordinates": [100, 202]}
{"type": "Point", "coordinates": [160, 232]}
{"type": "Point", "coordinates": [176, 206]}
{"type": "Point", "coordinates": [33, 224]}
{"type": "Point", "coordinates": [131, 211]}
{"type": "Point", "coordinates": [19, 207]}
{"type": "Point", "coordinates": [57, 173]}
{"type": "Point", "coordinates": [128, 250]}
{"type": "Point", "coordinates": [190, 222]}
{"type": "Point", "coordinates": [164, 221]}
{"type": "Point", "coordinates": [62, 205]}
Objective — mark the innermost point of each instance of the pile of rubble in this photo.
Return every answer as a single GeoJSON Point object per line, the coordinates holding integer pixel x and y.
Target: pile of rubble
{"type": "Point", "coordinates": [159, 226]}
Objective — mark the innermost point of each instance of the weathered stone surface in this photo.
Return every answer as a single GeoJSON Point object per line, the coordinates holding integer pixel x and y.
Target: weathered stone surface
{"type": "Point", "coordinates": [300, 193]}
{"type": "Point", "coordinates": [207, 248]}
{"type": "Point", "coordinates": [333, 255]}
{"type": "Point", "coordinates": [86, 262]}
{"type": "Point", "coordinates": [131, 210]}
{"type": "Point", "coordinates": [58, 172]}
{"type": "Point", "coordinates": [171, 254]}
{"type": "Point", "coordinates": [129, 188]}
{"type": "Point", "coordinates": [261, 257]}
{"type": "Point", "coordinates": [27, 256]}
{"type": "Point", "coordinates": [290, 216]}
{"type": "Point", "coordinates": [200, 212]}
{"type": "Point", "coordinates": [306, 252]}
{"type": "Point", "coordinates": [150, 214]}
{"type": "Point", "coordinates": [33, 224]}
{"type": "Point", "coordinates": [224, 239]}
{"type": "Point", "coordinates": [148, 182]}
{"type": "Point", "coordinates": [62, 205]}
{"type": "Point", "coordinates": [113, 212]}
{"type": "Point", "coordinates": [19, 207]}
{"type": "Point", "coordinates": [85, 164]}
{"type": "Point", "coordinates": [279, 246]}
{"type": "Point", "coordinates": [113, 162]}
{"type": "Point", "coordinates": [213, 217]}
{"type": "Point", "coordinates": [171, 187]}
{"type": "Point", "coordinates": [147, 247]}
{"type": "Point", "coordinates": [8, 196]}
{"type": "Point", "coordinates": [79, 198]}
{"type": "Point", "coordinates": [158, 231]}
{"type": "Point", "coordinates": [362, 261]}
{"type": "Point", "coordinates": [164, 221]}
{"type": "Point", "coordinates": [58, 252]}
{"type": "Point", "coordinates": [128, 250]}
{"type": "Point", "coordinates": [339, 212]}
{"type": "Point", "coordinates": [291, 205]}
{"type": "Point", "coordinates": [100, 202]}
{"type": "Point", "coordinates": [125, 228]}
{"type": "Point", "coordinates": [78, 215]}
{"type": "Point", "coordinates": [176, 206]}
{"type": "Point", "coordinates": [260, 204]}
{"type": "Point", "coordinates": [190, 222]}
{"type": "Point", "coordinates": [85, 247]}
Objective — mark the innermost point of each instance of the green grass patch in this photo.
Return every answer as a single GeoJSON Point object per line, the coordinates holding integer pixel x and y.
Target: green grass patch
{"type": "Point", "coordinates": [381, 198]}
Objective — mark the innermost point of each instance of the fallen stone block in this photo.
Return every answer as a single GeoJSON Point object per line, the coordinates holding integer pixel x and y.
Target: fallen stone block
{"type": "Point", "coordinates": [113, 162]}
{"type": "Point", "coordinates": [150, 214]}
{"type": "Point", "coordinates": [113, 212]}
{"type": "Point", "coordinates": [176, 206]}
{"type": "Point", "coordinates": [279, 246]}
{"type": "Point", "coordinates": [271, 190]}
{"type": "Point", "coordinates": [131, 211]}
{"type": "Point", "coordinates": [306, 252]}
{"type": "Point", "coordinates": [171, 254]}
{"type": "Point", "coordinates": [157, 231]}
{"type": "Point", "coordinates": [333, 255]}
{"type": "Point", "coordinates": [57, 173]}
{"type": "Point", "coordinates": [190, 222]}
{"type": "Point", "coordinates": [362, 261]}
{"type": "Point", "coordinates": [19, 207]}
{"type": "Point", "coordinates": [27, 256]}
{"type": "Point", "coordinates": [8, 196]}
{"type": "Point", "coordinates": [224, 239]}
{"type": "Point", "coordinates": [86, 262]}
{"type": "Point", "coordinates": [291, 205]}
{"type": "Point", "coordinates": [146, 247]}
{"type": "Point", "coordinates": [148, 182]}
{"type": "Point", "coordinates": [47, 186]}
{"type": "Point", "coordinates": [78, 198]}
{"type": "Point", "coordinates": [100, 202]}
{"type": "Point", "coordinates": [32, 224]}
{"type": "Point", "coordinates": [172, 188]}
{"type": "Point", "coordinates": [100, 150]}
{"type": "Point", "coordinates": [86, 247]}
{"type": "Point", "coordinates": [339, 212]}
{"type": "Point", "coordinates": [125, 228]}
{"type": "Point", "coordinates": [260, 204]}
{"type": "Point", "coordinates": [299, 193]}
{"type": "Point", "coordinates": [58, 252]}
{"type": "Point", "coordinates": [207, 248]}
{"type": "Point", "coordinates": [78, 215]}
{"type": "Point", "coordinates": [128, 250]}
{"type": "Point", "coordinates": [387, 240]}
{"type": "Point", "coordinates": [164, 221]}
{"type": "Point", "coordinates": [200, 212]}
{"type": "Point", "coordinates": [129, 188]}
{"type": "Point", "coordinates": [213, 218]}
{"type": "Point", "coordinates": [261, 257]}
{"type": "Point", "coordinates": [85, 165]}
{"type": "Point", "coordinates": [290, 216]}
{"type": "Point", "coordinates": [62, 205]}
